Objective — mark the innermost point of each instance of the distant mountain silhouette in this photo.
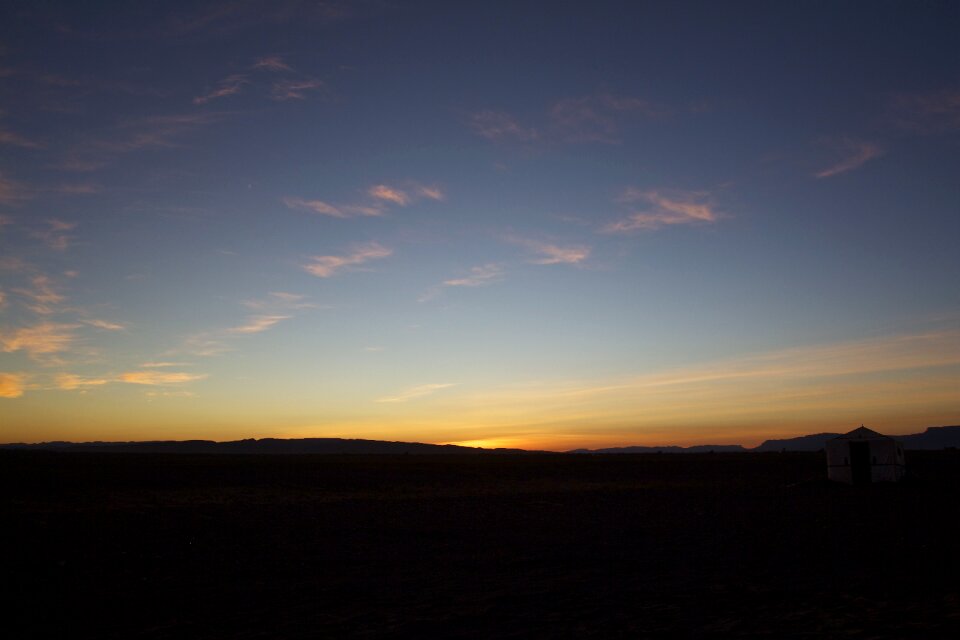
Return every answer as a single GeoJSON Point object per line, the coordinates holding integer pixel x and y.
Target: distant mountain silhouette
{"type": "Point", "coordinates": [813, 442]}
{"type": "Point", "coordinates": [263, 446]}
{"type": "Point", "coordinates": [703, 448]}
{"type": "Point", "coordinates": [932, 438]}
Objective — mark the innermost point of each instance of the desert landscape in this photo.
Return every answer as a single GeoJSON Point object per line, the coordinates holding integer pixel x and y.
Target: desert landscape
{"type": "Point", "coordinates": [698, 545]}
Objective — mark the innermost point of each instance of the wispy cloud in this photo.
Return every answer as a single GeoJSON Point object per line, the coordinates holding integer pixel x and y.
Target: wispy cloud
{"type": "Point", "coordinates": [498, 125]}
{"type": "Point", "coordinates": [281, 300]}
{"type": "Point", "coordinates": [72, 382]}
{"type": "Point", "coordinates": [128, 136]}
{"type": "Point", "coordinates": [597, 118]}
{"type": "Point", "coordinates": [389, 194]}
{"type": "Point", "coordinates": [12, 139]}
{"type": "Point", "coordinates": [673, 208]}
{"type": "Point", "coordinates": [322, 208]}
{"type": "Point", "coordinates": [163, 364]}
{"type": "Point", "coordinates": [236, 16]}
{"type": "Point", "coordinates": [160, 378]}
{"type": "Point", "coordinates": [56, 234]}
{"type": "Point", "coordinates": [229, 86]}
{"type": "Point", "coordinates": [105, 325]}
{"type": "Point", "coordinates": [432, 193]}
{"type": "Point", "coordinates": [893, 377]}
{"type": "Point", "coordinates": [276, 307]}
{"type": "Point", "coordinates": [41, 340]}
{"type": "Point", "coordinates": [12, 385]}
{"type": "Point", "coordinates": [928, 113]}
{"type": "Point", "coordinates": [11, 191]}
{"type": "Point", "coordinates": [42, 298]}
{"type": "Point", "coordinates": [257, 324]}
{"type": "Point", "coordinates": [327, 266]}
{"type": "Point", "coordinates": [378, 199]}
{"type": "Point", "coordinates": [272, 63]}
{"type": "Point", "coordinates": [551, 253]}
{"type": "Point", "coordinates": [417, 392]}
{"type": "Point", "coordinates": [593, 118]}
{"type": "Point", "coordinates": [294, 89]}
{"type": "Point", "coordinates": [854, 154]}
{"type": "Point", "coordinates": [479, 276]}
{"type": "Point", "coordinates": [405, 196]}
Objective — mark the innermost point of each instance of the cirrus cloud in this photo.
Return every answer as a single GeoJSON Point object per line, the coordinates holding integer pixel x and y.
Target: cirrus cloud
{"type": "Point", "coordinates": [853, 154]}
{"type": "Point", "coordinates": [256, 324]}
{"type": "Point", "coordinates": [160, 378]}
{"type": "Point", "coordinates": [12, 385]}
{"type": "Point", "coordinates": [40, 341]}
{"type": "Point", "coordinates": [673, 208]}
{"type": "Point", "coordinates": [417, 392]}
{"type": "Point", "coordinates": [551, 253]}
{"type": "Point", "coordinates": [327, 266]}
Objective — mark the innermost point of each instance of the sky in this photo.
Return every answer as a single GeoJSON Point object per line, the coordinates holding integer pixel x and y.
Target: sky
{"type": "Point", "coordinates": [520, 224]}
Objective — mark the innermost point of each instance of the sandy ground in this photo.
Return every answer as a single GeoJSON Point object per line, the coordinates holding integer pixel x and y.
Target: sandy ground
{"type": "Point", "coordinates": [712, 545]}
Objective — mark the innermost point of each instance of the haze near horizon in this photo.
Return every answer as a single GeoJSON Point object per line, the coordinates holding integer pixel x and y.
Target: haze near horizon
{"type": "Point", "coordinates": [542, 226]}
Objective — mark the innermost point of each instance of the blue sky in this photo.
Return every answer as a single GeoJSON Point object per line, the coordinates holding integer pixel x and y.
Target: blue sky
{"type": "Point", "coordinates": [499, 224]}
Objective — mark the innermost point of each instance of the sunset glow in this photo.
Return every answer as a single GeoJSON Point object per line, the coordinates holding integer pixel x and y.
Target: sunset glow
{"type": "Point", "coordinates": [487, 224]}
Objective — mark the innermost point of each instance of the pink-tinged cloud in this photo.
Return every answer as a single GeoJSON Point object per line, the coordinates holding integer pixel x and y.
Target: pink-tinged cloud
{"type": "Point", "coordinates": [152, 132]}
{"type": "Point", "coordinates": [596, 118]}
{"type": "Point", "coordinates": [43, 298]}
{"type": "Point", "coordinates": [3, 299]}
{"type": "Point", "coordinates": [12, 139]}
{"type": "Point", "coordinates": [40, 340]}
{"type": "Point", "coordinates": [12, 192]}
{"type": "Point", "coordinates": [160, 378]}
{"type": "Point", "coordinates": [256, 324]}
{"type": "Point", "coordinates": [854, 154]}
{"type": "Point", "coordinates": [272, 63]}
{"type": "Point", "coordinates": [294, 89]}
{"type": "Point", "coordinates": [227, 87]}
{"type": "Point", "coordinates": [12, 385]}
{"type": "Point", "coordinates": [76, 189]}
{"type": "Point", "coordinates": [370, 211]}
{"type": "Point", "coordinates": [497, 125]}
{"type": "Point", "coordinates": [163, 364]}
{"type": "Point", "coordinates": [315, 206]}
{"type": "Point", "coordinates": [417, 392]}
{"type": "Point", "coordinates": [553, 254]}
{"type": "Point", "coordinates": [431, 193]}
{"type": "Point", "coordinates": [928, 113]}
{"type": "Point", "coordinates": [389, 194]}
{"type": "Point", "coordinates": [280, 300]}
{"type": "Point", "coordinates": [479, 277]}
{"type": "Point", "coordinates": [56, 234]}
{"type": "Point", "coordinates": [676, 208]}
{"type": "Point", "coordinates": [72, 382]}
{"type": "Point", "coordinates": [132, 135]}
{"type": "Point", "coordinates": [105, 325]}
{"type": "Point", "coordinates": [327, 266]}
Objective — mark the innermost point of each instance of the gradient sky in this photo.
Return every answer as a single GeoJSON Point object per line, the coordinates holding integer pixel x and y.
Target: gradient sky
{"type": "Point", "coordinates": [528, 224]}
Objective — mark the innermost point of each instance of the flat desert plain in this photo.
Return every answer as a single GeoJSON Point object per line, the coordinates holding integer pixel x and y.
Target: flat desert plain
{"type": "Point", "coordinates": [476, 546]}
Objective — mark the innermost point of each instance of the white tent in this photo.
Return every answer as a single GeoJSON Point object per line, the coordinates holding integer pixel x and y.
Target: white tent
{"type": "Point", "coordinates": [864, 456]}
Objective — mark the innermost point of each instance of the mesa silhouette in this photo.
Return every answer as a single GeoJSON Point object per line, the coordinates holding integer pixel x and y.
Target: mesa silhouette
{"type": "Point", "coordinates": [930, 439]}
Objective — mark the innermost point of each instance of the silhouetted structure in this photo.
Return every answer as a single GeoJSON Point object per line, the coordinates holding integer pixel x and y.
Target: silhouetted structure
{"type": "Point", "coordinates": [864, 456]}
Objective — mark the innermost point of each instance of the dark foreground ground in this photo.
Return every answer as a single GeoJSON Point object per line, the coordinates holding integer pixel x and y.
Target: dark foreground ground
{"type": "Point", "coordinates": [721, 545]}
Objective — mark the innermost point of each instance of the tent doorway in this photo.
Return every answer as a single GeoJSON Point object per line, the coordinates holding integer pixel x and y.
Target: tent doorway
{"type": "Point", "coordinates": [860, 462]}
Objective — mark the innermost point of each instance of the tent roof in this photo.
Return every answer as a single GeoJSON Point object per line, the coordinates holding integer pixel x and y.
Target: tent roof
{"type": "Point", "coordinates": [862, 433]}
